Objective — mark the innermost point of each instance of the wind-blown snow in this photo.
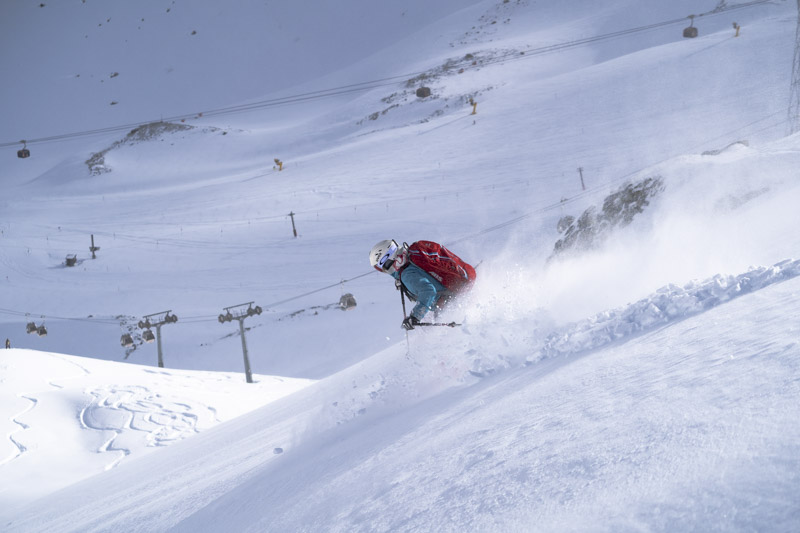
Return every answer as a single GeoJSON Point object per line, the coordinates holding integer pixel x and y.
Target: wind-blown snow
{"type": "Point", "coordinates": [649, 382]}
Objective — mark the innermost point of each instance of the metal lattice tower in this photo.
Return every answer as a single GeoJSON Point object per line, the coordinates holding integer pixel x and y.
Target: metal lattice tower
{"type": "Point", "coordinates": [794, 98]}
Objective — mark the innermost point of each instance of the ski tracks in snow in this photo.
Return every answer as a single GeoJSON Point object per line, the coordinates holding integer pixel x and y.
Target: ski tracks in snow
{"type": "Point", "coordinates": [132, 413]}
{"type": "Point", "coordinates": [128, 416]}
{"type": "Point", "coordinates": [19, 447]}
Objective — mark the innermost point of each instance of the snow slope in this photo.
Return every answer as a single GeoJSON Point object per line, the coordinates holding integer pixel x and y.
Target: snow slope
{"type": "Point", "coordinates": [558, 405]}
{"type": "Point", "coordinates": [69, 417]}
{"type": "Point", "coordinates": [643, 433]}
{"type": "Point", "coordinates": [659, 427]}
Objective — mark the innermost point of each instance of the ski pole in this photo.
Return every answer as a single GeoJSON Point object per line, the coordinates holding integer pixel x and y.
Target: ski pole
{"type": "Point", "coordinates": [448, 324]}
{"type": "Point", "coordinates": [408, 343]}
{"type": "Point", "coordinates": [403, 299]}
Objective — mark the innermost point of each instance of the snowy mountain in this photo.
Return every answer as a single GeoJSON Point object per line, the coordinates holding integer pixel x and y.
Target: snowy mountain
{"type": "Point", "coordinates": [628, 359]}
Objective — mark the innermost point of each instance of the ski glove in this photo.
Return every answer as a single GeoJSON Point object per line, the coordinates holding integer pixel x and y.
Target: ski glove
{"type": "Point", "coordinates": [410, 322]}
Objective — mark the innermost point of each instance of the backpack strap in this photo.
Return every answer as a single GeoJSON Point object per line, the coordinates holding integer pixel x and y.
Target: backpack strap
{"type": "Point", "coordinates": [401, 287]}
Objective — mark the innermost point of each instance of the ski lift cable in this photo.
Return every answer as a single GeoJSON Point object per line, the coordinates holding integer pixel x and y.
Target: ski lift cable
{"type": "Point", "coordinates": [168, 240]}
{"type": "Point", "coordinates": [496, 227]}
{"type": "Point", "coordinates": [13, 312]}
{"type": "Point", "coordinates": [382, 82]}
{"type": "Point", "coordinates": [323, 93]}
{"type": "Point", "coordinates": [657, 25]}
{"type": "Point", "coordinates": [198, 319]}
{"type": "Point", "coordinates": [223, 248]}
{"type": "Point", "coordinates": [326, 93]}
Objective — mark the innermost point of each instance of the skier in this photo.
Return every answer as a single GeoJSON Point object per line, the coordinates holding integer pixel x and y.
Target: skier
{"type": "Point", "coordinates": [427, 272]}
{"type": "Point", "coordinates": [8, 343]}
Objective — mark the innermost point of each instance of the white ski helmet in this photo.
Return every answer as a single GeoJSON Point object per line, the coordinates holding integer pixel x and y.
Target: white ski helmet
{"type": "Point", "coordinates": [387, 256]}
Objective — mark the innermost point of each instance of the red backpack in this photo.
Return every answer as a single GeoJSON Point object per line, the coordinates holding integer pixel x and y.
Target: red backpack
{"type": "Point", "coordinates": [443, 265]}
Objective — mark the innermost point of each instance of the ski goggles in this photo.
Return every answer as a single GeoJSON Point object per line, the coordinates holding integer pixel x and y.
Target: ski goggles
{"type": "Point", "coordinates": [387, 259]}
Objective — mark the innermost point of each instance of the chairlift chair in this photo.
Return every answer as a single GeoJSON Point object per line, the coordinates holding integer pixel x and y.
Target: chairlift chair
{"type": "Point", "coordinates": [24, 152]}
{"type": "Point", "coordinates": [42, 331]}
{"type": "Point", "coordinates": [251, 311]}
{"type": "Point", "coordinates": [691, 31]}
{"type": "Point", "coordinates": [126, 340]}
{"type": "Point", "coordinates": [31, 327]}
{"type": "Point", "coordinates": [148, 336]}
